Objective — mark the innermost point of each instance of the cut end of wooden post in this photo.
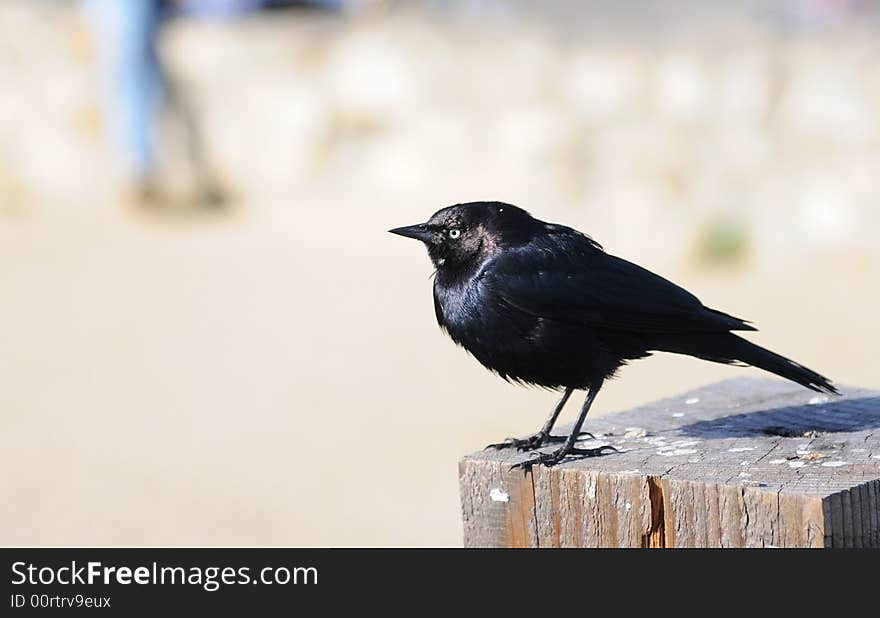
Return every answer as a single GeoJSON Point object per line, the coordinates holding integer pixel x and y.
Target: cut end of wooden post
{"type": "Point", "coordinates": [742, 463]}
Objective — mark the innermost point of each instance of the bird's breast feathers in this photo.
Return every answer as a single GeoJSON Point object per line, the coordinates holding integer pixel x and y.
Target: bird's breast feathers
{"type": "Point", "coordinates": [456, 305]}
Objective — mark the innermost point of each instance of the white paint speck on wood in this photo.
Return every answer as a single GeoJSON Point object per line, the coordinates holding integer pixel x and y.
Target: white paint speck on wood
{"type": "Point", "coordinates": [499, 496]}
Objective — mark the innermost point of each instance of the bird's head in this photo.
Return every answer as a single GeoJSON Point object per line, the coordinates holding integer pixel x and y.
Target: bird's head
{"type": "Point", "coordinates": [464, 235]}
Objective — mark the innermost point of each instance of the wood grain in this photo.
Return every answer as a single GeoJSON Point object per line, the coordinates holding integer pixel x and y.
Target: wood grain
{"type": "Point", "coordinates": [742, 463]}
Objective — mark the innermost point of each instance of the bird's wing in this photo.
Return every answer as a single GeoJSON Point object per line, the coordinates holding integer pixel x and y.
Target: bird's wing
{"type": "Point", "coordinates": [571, 281]}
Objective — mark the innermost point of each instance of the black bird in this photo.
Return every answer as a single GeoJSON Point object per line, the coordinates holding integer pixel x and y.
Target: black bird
{"type": "Point", "coordinates": [540, 303]}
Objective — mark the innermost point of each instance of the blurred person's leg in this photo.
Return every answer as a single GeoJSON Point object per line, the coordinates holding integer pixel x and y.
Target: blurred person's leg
{"type": "Point", "coordinates": [208, 190]}
{"type": "Point", "coordinates": [125, 33]}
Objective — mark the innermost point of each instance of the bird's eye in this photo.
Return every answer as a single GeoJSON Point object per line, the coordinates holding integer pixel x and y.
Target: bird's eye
{"type": "Point", "coordinates": [454, 233]}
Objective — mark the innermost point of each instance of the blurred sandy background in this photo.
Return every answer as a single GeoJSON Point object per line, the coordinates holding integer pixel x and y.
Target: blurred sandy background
{"type": "Point", "coordinates": [270, 373]}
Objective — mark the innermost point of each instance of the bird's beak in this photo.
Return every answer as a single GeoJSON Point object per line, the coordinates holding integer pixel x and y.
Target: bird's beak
{"type": "Point", "coordinates": [419, 232]}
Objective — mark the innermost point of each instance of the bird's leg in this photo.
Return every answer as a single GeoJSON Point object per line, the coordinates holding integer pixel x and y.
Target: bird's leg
{"type": "Point", "coordinates": [543, 436]}
{"type": "Point", "coordinates": [568, 449]}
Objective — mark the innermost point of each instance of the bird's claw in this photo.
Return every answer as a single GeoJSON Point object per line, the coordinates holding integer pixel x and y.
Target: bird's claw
{"type": "Point", "coordinates": [529, 443]}
{"type": "Point", "coordinates": [557, 456]}
{"type": "Point", "coordinates": [535, 441]}
{"type": "Point", "coordinates": [508, 442]}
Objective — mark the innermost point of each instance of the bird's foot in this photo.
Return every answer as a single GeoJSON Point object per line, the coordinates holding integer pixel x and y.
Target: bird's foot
{"type": "Point", "coordinates": [560, 454]}
{"type": "Point", "coordinates": [535, 441]}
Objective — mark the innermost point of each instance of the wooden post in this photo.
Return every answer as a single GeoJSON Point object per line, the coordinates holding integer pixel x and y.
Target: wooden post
{"type": "Point", "coordinates": [742, 463]}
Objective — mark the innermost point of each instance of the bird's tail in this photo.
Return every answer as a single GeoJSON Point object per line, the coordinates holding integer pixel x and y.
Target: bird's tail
{"type": "Point", "coordinates": [730, 349]}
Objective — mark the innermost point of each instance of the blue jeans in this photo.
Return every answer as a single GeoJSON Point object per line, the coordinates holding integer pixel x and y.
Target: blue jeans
{"type": "Point", "coordinates": [126, 32]}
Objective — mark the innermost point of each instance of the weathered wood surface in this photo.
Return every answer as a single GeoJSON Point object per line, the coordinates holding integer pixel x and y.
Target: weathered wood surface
{"type": "Point", "coordinates": [742, 463]}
